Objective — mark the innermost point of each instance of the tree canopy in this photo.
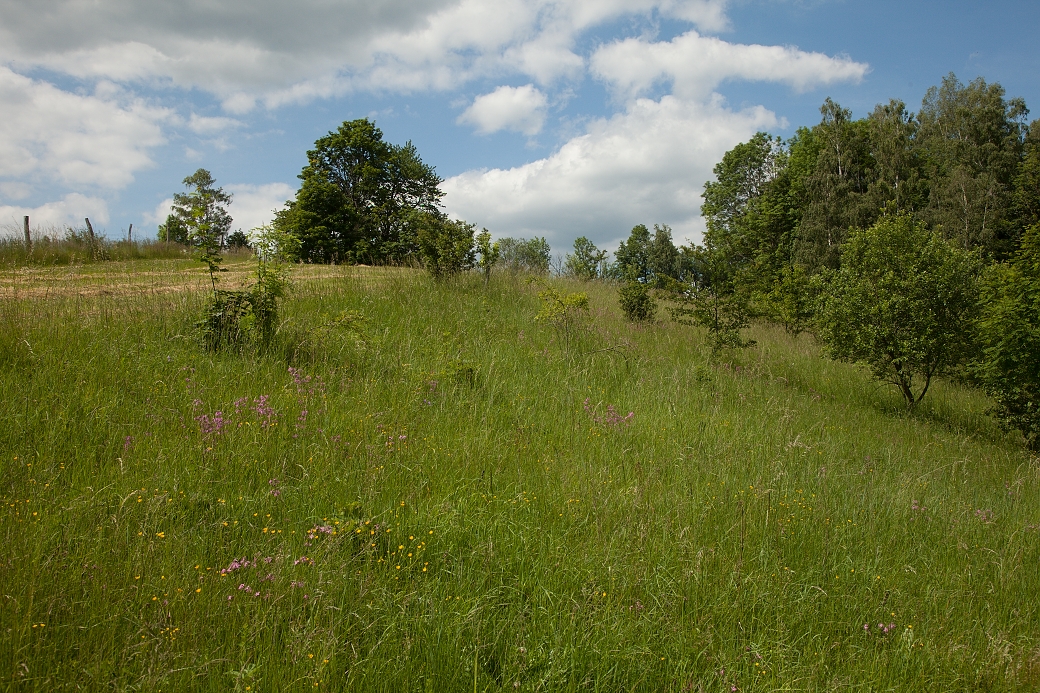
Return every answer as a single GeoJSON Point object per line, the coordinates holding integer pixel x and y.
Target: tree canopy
{"type": "Point", "coordinates": [362, 199]}
{"type": "Point", "coordinates": [202, 211]}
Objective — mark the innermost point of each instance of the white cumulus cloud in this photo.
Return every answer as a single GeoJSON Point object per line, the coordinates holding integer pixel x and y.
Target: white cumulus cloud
{"type": "Point", "coordinates": [69, 210]}
{"type": "Point", "coordinates": [55, 136]}
{"type": "Point", "coordinates": [695, 65]}
{"type": "Point", "coordinates": [521, 109]}
{"type": "Point", "coordinates": [645, 165]}
{"type": "Point", "coordinates": [280, 52]}
{"type": "Point", "coordinates": [255, 205]}
{"type": "Point", "coordinates": [648, 163]}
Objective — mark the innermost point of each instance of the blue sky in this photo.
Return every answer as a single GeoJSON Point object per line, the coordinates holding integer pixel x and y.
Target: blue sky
{"type": "Point", "coordinates": [545, 117]}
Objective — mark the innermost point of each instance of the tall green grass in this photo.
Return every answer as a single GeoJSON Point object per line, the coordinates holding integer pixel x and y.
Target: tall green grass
{"type": "Point", "coordinates": [53, 246]}
{"type": "Point", "coordinates": [420, 488]}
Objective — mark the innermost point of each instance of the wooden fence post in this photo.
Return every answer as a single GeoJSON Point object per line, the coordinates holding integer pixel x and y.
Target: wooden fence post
{"type": "Point", "coordinates": [90, 230]}
{"type": "Point", "coordinates": [130, 234]}
{"type": "Point", "coordinates": [28, 238]}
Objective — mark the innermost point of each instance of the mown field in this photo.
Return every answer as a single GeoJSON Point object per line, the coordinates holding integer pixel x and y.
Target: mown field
{"type": "Point", "coordinates": [421, 488]}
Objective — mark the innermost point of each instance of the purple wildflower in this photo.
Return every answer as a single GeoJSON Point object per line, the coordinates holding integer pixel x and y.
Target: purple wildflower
{"type": "Point", "coordinates": [211, 425]}
{"type": "Point", "coordinates": [264, 410]}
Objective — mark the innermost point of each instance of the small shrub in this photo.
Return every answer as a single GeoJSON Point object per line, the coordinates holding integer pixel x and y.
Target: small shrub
{"type": "Point", "coordinates": [234, 318]}
{"type": "Point", "coordinates": [565, 312]}
{"type": "Point", "coordinates": [446, 246]}
{"type": "Point", "coordinates": [636, 302]}
{"type": "Point", "coordinates": [489, 254]}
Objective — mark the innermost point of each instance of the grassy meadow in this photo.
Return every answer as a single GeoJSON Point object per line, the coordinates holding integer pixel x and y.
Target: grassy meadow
{"type": "Point", "coordinates": [421, 488]}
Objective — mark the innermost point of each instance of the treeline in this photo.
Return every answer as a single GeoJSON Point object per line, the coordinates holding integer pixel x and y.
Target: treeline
{"type": "Point", "coordinates": [909, 242]}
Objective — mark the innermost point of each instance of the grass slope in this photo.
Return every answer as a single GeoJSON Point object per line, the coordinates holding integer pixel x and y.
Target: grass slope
{"type": "Point", "coordinates": [432, 492]}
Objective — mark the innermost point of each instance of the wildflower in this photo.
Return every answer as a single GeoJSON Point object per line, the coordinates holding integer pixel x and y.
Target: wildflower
{"type": "Point", "coordinates": [264, 410]}
{"type": "Point", "coordinates": [211, 425]}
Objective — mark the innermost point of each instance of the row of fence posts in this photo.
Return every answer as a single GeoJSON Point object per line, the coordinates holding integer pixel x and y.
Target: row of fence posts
{"type": "Point", "coordinates": [90, 232]}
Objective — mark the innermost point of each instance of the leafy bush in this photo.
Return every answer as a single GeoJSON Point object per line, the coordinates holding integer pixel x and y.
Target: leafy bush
{"type": "Point", "coordinates": [446, 246]}
{"type": "Point", "coordinates": [523, 255]}
{"type": "Point", "coordinates": [1009, 332]}
{"type": "Point", "coordinates": [586, 262]}
{"type": "Point", "coordinates": [234, 318]}
{"type": "Point", "coordinates": [636, 302]}
{"type": "Point", "coordinates": [902, 303]}
{"type": "Point", "coordinates": [711, 299]}
{"type": "Point", "coordinates": [565, 312]}
{"type": "Point", "coordinates": [489, 254]}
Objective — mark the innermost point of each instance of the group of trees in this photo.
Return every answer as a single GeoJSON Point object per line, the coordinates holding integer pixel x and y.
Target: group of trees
{"type": "Point", "coordinates": [907, 242]}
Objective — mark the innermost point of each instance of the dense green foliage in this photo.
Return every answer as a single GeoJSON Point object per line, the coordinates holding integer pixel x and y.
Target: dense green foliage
{"type": "Point", "coordinates": [199, 217]}
{"type": "Point", "coordinates": [894, 194]}
{"type": "Point", "coordinates": [446, 246]}
{"type": "Point", "coordinates": [636, 302]}
{"type": "Point", "coordinates": [525, 255]}
{"type": "Point", "coordinates": [181, 520]}
{"type": "Point", "coordinates": [1009, 366]}
{"type": "Point", "coordinates": [362, 199]}
{"type": "Point", "coordinates": [901, 304]}
{"type": "Point", "coordinates": [587, 262]}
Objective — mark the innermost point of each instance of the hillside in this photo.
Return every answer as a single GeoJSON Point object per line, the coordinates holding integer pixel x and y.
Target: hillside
{"type": "Point", "coordinates": [420, 487]}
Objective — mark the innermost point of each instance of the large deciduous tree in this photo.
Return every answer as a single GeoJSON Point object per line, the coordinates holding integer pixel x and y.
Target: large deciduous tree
{"type": "Point", "coordinates": [360, 197]}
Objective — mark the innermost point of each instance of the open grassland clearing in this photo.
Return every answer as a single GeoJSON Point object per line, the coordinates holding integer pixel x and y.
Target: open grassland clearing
{"type": "Point", "coordinates": [418, 487]}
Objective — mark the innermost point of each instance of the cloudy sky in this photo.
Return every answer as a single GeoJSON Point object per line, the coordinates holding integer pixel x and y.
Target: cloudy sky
{"type": "Point", "coordinates": [556, 118]}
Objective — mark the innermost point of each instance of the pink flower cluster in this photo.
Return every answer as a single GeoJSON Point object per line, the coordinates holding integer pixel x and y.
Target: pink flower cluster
{"type": "Point", "coordinates": [881, 628]}
{"type": "Point", "coordinates": [211, 425]}
{"type": "Point", "coordinates": [237, 564]}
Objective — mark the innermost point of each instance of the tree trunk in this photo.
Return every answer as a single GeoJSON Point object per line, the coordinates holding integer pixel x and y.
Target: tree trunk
{"type": "Point", "coordinates": [28, 238]}
{"type": "Point", "coordinates": [90, 230]}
